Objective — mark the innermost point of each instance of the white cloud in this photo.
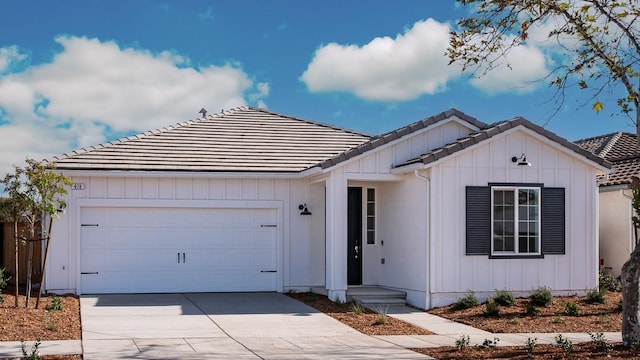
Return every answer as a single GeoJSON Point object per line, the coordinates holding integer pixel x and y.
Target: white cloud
{"type": "Point", "coordinates": [516, 71]}
{"type": "Point", "coordinates": [386, 69]}
{"type": "Point", "coordinates": [8, 56]}
{"type": "Point", "coordinates": [91, 86]}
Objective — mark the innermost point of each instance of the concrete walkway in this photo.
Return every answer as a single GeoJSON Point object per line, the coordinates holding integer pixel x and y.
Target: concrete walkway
{"type": "Point", "coordinates": [250, 326]}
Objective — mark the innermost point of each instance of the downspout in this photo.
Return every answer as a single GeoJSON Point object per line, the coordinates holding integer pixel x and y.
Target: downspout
{"type": "Point", "coordinates": [634, 232]}
{"type": "Point", "coordinates": [428, 255]}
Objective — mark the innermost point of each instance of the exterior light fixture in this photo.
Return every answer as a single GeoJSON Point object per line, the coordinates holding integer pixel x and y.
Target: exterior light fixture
{"type": "Point", "coordinates": [304, 210]}
{"type": "Point", "coordinates": [521, 160]}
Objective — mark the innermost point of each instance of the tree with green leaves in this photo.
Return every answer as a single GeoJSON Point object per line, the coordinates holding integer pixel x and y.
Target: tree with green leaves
{"type": "Point", "coordinates": [35, 196]}
{"type": "Point", "coordinates": [593, 45]}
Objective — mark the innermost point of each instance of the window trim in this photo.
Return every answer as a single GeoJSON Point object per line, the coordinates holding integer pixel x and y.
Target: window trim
{"type": "Point", "coordinates": [515, 254]}
{"type": "Point", "coordinates": [366, 216]}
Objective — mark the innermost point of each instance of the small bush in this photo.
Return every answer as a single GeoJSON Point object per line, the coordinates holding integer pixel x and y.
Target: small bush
{"type": "Point", "coordinates": [541, 296]}
{"type": "Point", "coordinates": [558, 319]}
{"type": "Point", "coordinates": [572, 309]}
{"type": "Point", "coordinates": [505, 297]}
{"type": "Point", "coordinates": [488, 343]}
{"type": "Point", "coordinates": [382, 315]}
{"type": "Point", "coordinates": [357, 308]}
{"type": "Point", "coordinates": [55, 304]}
{"type": "Point", "coordinates": [607, 281]}
{"type": "Point", "coordinates": [531, 309]}
{"type": "Point", "coordinates": [596, 296]}
{"type": "Point", "coordinates": [492, 308]}
{"type": "Point", "coordinates": [337, 300]}
{"type": "Point", "coordinates": [310, 297]}
{"type": "Point", "coordinates": [33, 353]}
{"type": "Point", "coordinates": [602, 344]}
{"type": "Point", "coordinates": [531, 344]}
{"type": "Point", "coordinates": [5, 276]}
{"type": "Point", "coordinates": [463, 342]}
{"type": "Point", "coordinates": [565, 344]}
{"type": "Point", "coordinates": [466, 302]}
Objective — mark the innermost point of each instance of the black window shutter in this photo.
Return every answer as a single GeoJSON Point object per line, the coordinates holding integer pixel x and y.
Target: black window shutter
{"type": "Point", "coordinates": [478, 220]}
{"type": "Point", "coordinates": [553, 221]}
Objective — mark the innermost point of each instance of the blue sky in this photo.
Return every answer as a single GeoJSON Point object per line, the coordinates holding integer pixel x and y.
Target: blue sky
{"type": "Point", "coordinates": [78, 73]}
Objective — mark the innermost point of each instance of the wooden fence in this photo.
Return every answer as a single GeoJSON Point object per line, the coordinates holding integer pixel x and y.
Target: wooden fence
{"type": "Point", "coordinates": [8, 257]}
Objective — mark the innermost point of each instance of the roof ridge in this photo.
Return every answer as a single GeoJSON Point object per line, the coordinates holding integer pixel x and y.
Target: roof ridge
{"type": "Point", "coordinates": [609, 144]}
{"type": "Point", "coordinates": [143, 135]}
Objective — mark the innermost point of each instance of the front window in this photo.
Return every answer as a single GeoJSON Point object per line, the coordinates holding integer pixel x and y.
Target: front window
{"type": "Point", "coordinates": [515, 221]}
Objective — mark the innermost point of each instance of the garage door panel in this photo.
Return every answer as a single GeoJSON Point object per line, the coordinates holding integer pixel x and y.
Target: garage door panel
{"type": "Point", "coordinates": [178, 249]}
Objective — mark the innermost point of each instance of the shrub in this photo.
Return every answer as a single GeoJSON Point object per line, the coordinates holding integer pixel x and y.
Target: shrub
{"type": "Point", "coordinates": [382, 315]}
{"type": "Point", "coordinates": [558, 319]}
{"type": "Point", "coordinates": [541, 296]}
{"type": "Point", "coordinates": [357, 308]}
{"type": "Point", "coordinates": [492, 308]}
{"type": "Point", "coordinates": [531, 344]}
{"type": "Point", "coordinates": [505, 297]}
{"type": "Point", "coordinates": [596, 296]}
{"type": "Point", "coordinates": [56, 304]}
{"type": "Point", "coordinates": [5, 276]}
{"type": "Point", "coordinates": [466, 302]}
{"type": "Point", "coordinates": [565, 344]}
{"type": "Point", "coordinates": [337, 300]}
{"type": "Point", "coordinates": [33, 353]}
{"type": "Point", "coordinates": [607, 281]}
{"type": "Point", "coordinates": [602, 344]}
{"type": "Point", "coordinates": [463, 342]}
{"type": "Point", "coordinates": [488, 343]}
{"type": "Point", "coordinates": [531, 309]}
{"type": "Point", "coordinates": [572, 309]}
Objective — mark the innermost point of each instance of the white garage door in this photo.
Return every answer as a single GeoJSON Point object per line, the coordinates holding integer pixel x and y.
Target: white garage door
{"type": "Point", "coordinates": [145, 250]}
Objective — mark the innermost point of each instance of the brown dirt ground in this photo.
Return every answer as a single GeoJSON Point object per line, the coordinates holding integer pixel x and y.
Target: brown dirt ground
{"type": "Point", "coordinates": [18, 324]}
{"type": "Point", "coordinates": [365, 323]}
{"type": "Point", "coordinates": [552, 319]}
{"type": "Point", "coordinates": [580, 351]}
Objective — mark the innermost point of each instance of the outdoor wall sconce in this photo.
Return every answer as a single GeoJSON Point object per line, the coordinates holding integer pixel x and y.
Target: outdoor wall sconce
{"type": "Point", "coordinates": [521, 160]}
{"type": "Point", "coordinates": [304, 209]}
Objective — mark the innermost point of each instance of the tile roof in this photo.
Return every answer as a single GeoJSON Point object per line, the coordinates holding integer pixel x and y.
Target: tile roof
{"type": "Point", "coordinates": [240, 140]}
{"type": "Point", "coordinates": [619, 148]}
{"type": "Point", "coordinates": [386, 138]}
{"type": "Point", "coordinates": [492, 130]}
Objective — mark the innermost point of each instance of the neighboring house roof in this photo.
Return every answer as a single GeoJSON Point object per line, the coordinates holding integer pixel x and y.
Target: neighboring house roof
{"type": "Point", "coordinates": [240, 140]}
{"type": "Point", "coordinates": [492, 130]}
{"type": "Point", "coordinates": [386, 138]}
{"type": "Point", "coordinates": [619, 148]}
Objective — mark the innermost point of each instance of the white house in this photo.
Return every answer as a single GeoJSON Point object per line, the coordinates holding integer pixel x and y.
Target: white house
{"type": "Point", "coordinates": [616, 229]}
{"type": "Point", "coordinates": [251, 200]}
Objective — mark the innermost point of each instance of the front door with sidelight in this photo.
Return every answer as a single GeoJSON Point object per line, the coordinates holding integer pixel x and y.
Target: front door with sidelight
{"type": "Point", "coordinates": [354, 236]}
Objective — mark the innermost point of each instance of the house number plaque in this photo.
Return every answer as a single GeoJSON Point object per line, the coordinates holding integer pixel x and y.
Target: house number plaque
{"type": "Point", "coordinates": [77, 186]}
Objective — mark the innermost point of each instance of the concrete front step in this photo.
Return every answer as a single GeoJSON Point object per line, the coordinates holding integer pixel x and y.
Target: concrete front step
{"type": "Point", "coordinates": [379, 301]}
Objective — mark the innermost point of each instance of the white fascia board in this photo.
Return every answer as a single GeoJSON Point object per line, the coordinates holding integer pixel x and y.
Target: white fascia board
{"type": "Point", "coordinates": [561, 148]}
{"type": "Point", "coordinates": [524, 129]}
{"type": "Point", "coordinates": [614, 187]}
{"type": "Point", "coordinates": [408, 168]}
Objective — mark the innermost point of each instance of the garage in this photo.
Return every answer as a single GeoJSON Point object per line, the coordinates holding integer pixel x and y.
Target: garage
{"type": "Point", "coordinates": [154, 250]}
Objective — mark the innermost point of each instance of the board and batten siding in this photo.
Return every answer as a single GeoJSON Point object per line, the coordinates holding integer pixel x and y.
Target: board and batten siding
{"type": "Point", "coordinates": [454, 272]}
{"type": "Point", "coordinates": [413, 145]}
{"type": "Point", "coordinates": [300, 268]}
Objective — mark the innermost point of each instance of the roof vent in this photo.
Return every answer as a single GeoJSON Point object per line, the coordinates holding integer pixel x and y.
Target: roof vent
{"type": "Point", "coordinates": [203, 111]}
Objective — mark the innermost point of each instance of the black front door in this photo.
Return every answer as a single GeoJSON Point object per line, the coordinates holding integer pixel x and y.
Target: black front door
{"type": "Point", "coordinates": [354, 236]}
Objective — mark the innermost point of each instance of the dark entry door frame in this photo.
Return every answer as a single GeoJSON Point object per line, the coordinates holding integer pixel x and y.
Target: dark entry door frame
{"type": "Point", "coordinates": [354, 236]}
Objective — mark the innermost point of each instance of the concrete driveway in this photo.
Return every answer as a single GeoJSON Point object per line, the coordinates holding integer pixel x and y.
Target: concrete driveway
{"type": "Point", "coordinates": [220, 326]}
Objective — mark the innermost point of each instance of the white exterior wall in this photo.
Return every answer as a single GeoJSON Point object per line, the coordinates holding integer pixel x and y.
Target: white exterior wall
{"type": "Point", "coordinates": [616, 229]}
{"type": "Point", "coordinates": [298, 261]}
{"type": "Point", "coordinates": [453, 272]}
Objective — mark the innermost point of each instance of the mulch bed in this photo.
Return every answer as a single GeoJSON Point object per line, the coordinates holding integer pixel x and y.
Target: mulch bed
{"type": "Point", "coordinates": [594, 317]}
{"type": "Point", "coordinates": [366, 322]}
{"type": "Point", "coordinates": [30, 324]}
{"type": "Point", "coordinates": [542, 351]}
